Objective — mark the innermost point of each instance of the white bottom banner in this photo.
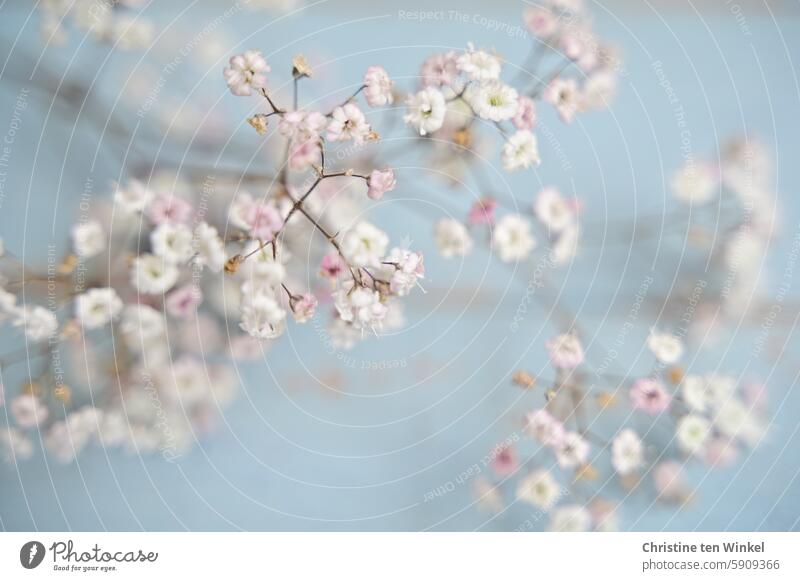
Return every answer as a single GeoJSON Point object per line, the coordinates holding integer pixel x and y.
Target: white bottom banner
{"type": "Point", "coordinates": [379, 556]}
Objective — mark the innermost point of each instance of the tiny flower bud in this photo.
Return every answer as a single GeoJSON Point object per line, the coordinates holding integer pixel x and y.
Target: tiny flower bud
{"type": "Point", "coordinates": [63, 393]}
{"type": "Point", "coordinates": [31, 388]}
{"type": "Point", "coordinates": [675, 374]}
{"type": "Point", "coordinates": [606, 399]}
{"type": "Point", "coordinates": [68, 265]}
{"type": "Point", "coordinates": [300, 67]}
{"type": "Point", "coordinates": [586, 472]}
{"type": "Point", "coordinates": [463, 138]}
{"type": "Point", "coordinates": [259, 123]}
{"type": "Point", "coordinates": [232, 264]}
{"type": "Point", "coordinates": [524, 379]}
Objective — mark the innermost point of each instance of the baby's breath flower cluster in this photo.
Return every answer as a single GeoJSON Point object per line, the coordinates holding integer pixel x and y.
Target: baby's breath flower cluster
{"type": "Point", "coordinates": [597, 438]}
{"type": "Point", "coordinates": [117, 23]}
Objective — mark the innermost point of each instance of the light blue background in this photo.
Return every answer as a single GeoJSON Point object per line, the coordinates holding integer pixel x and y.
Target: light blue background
{"type": "Point", "coordinates": [293, 456]}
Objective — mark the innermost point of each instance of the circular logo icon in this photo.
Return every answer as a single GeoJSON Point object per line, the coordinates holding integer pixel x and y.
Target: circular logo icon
{"type": "Point", "coordinates": [31, 554]}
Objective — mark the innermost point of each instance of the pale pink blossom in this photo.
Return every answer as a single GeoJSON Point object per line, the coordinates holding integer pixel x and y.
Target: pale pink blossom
{"type": "Point", "coordinates": [264, 221]}
{"type": "Point", "coordinates": [544, 428]}
{"type": "Point", "coordinates": [572, 450]}
{"type": "Point", "coordinates": [348, 122]}
{"type": "Point", "coordinates": [378, 87]}
{"type": "Point", "coordinates": [525, 118]}
{"type": "Point", "coordinates": [246, 72]}
{"type": "Point", "coordinates": [649, 396]}
{"type": "Point", "coordinates": [669, 480]}
{"type": "Point", "coordinates": [169, 208]}
{"type": "Point", "coordinates": [540, 21]}
{"type": "Point", "coordinates": [563, 94]}
{"type": "Point", "coordinates": [380, 182]}
{"type": "Point", "coordinates": [304, 308]}
{"type": "Point", "coordinates": [439, 70]}
{"type": "Point", "coordinates": [505, 461]}
{"type": "Point", "coordinates": [182, 302]}
{"type": "Point", "coordinates": [566, 351]}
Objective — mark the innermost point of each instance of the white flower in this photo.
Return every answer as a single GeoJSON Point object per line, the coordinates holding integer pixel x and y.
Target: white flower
{"type": "Point", "coordinates": [97, 306]}
{"type": "Point", "coordinates": [695, 183]}
{"type": "Point", "coordinates": [571, 519]}
{"type": "Point", "coordinates": [720, 388]}
{"type": "Point", "coordinates": [364, 245]}
{"type": "Point", "coordinates": [8, 303]}
{"type": "Point", "coordinates": [553, 210]}
{"type": "Point", "coordinates": [538, 488]}
{"type": "Point", "coordinates": [735, 420]}
{"type": "Point", "coordinates": [564, 95]}
{"type": "Point", "coordinates": [185, 381]}
{"type": "Point", "coordinates": [599, 89]}
{"type": "Point", "coordinates": [348, 122]}
{"type": "Point", "coordinates": [407, 269]}
{"type": "Point", "coordinates": [378, 91]}
{"type": "Point", "coordinates": [14, 444]}
{"type": "Point", "coordinates": [209, 247]}
{"type": "Point", "coordinates": [426, 110]}
{"type": "Point", "coordinates": [695, 393]}
{"type": "Point", "coordinates": [152, 274]}
{"type": "Point", "coordinates": [493, 100]}
{"type": "Point", "coordinates": [39, 323]}
{"type": "Point", "coordinates": [262, 317]}
{"type": "Point", "coordinates": [571, 450]}
{"type": "Point", "coordinates": [28, 411]}
{"type": "Point", "coordinates": [360, 307]}
{"type": "Point", "coordinates": [262, 270]}
{"type": "Point", "coordinates": [240, 210]}
{"type": "Point", "coordinates": [692, 433]}
{"type": "Point", "coordinates": [565, 246]}
{"type": "Point", "coordinates": [512, 239]}
{"type": "Point", "coordinates": [520, 151]}
{"type": "Point", "coordinates": [172, 242]}
{"type": "Point", "coordinates": [543, 427]}
{"type": "Point", "coordinates": [626, 452]}
{"type": "Point", "coordinates": [88, 239]}
{"type": "Point", "coordinates": [245, 73]}
{"type": "Point", "coordinates": [479, 65]}
{"type": "Point", "coordinates": [452, 238]}
{"type": "Point", "coordinates": [666, 348]}
{"type": "Point", "coordinates": [134, 197]}
{"type": "Point", "coordinates": [141, 325]}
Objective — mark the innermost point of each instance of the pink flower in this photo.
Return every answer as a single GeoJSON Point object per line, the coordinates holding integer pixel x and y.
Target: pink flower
{"type": "Point", "coordinates": [183, 302]}
{"type": "Point", "coordinates": [668, 479]}
{"type": "Point", "coordinates": [348, 122]}
{"type": "Point", "coordinates": [439, 70]}
{"type": "Point", "coordinates": [169, 208]}
{"type": "Point", "coordinates": [565, 351]}
{"type": "Point", "coordinates": [572, 450]}
{"type": "Point", "coordinates": [564, 95]}
{"type": "Point", "coordinates": [28, 411]}
{"type": "Point", "coordinates": [572, 47]}
{"type": "Point", "coordinates": [525, 119]}
{"type": "Point", "coordinates": [540, 21]}
{"type": "Point", "coordinates": [264, 221]}
{"type": "Point", "coordinates": [649, 396]}
{"type": "Point", "coordinates": [304, 154]}
{"type": "Point", "coordinates": [721, 452]}
{"type": "Point", "coordinates": [482, 211]}
{"type": "Point", "coordinates": [331, 266]}
{"type": "Point", "coordinates": [543, 427]}
{"type": "Point", "coordinates": [505, 461]}
{"type": "Point", "coordinates": [380, 182]}
{"type": "Point", "coordinates": [304, 307]}
{"type": "Point", "coordinates": [378, 92]}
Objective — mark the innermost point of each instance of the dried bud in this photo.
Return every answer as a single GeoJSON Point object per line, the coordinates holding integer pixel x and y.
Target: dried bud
{"type": "Point", "coordinates": [31, 388]}
{"type": "Point", "coordinates": [675, 374]}
{"type": "Point", "coordinates": [606, 399]}
{"type": "Point", "coordinates": [373, 136]}
{"type": "Point", "coordinates": [524, 379]}
{"type": "Point", "coordinates": [63, 393]}
{"type": "Point", "coordinates": [232, 264]}
{"type": "Point", "coordinates": [71, 329]}
{"type": "Point", "coordinates": [300, 67]}
{"type": "Point", "coordinates": [586, 472]}
{"type": "Point", "coordinates": [259, 123]}
{"type": "Point", "coordinates": [68, 265]}
{"type": "Point", "coordinates": [463, 138]}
